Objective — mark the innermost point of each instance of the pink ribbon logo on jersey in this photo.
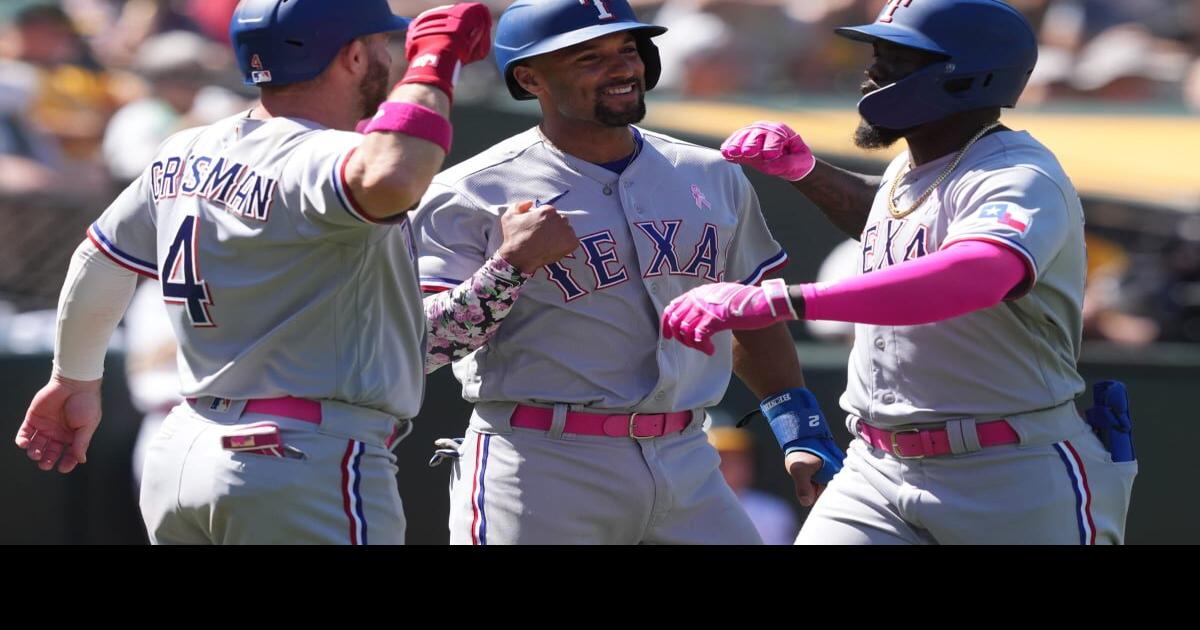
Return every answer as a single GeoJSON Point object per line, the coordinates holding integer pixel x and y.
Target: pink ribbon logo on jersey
{"type": "Point", "coordinates": [699, 198]}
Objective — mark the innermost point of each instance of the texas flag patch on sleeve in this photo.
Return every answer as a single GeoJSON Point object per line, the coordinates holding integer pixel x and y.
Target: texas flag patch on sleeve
{"type": "Point", "coordinates": [1007, 214]}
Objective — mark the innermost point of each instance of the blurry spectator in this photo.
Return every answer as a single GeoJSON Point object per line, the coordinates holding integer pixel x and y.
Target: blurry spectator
{"type": "Point", "coordinates": [1128, 62]}
{"type": "Point", "coordinates": [92, 18]}
{"type": "Point", "coordinates": [135, 21]}
{"type": "Point", "coordinates": [715, 48]}
{"type": "Point", "coordinates": [176, 66]}
{"type": "Point", "coordinates": [31, 163]}
{"type": "Point", "coordinates": [1131, 50]}
{"type": "Point", "coordinates": [73, 99]}
{"type": "Point", "coordinates": [1191, 85]}
{"type": "Point", "coordinates": [1183, 292]}
{"type": "Point", "coordinates": [773, 517]}
{"type": "Point", "coordinates": [212, 17]}
{"type": "Point", "coordinates": [18, 137]}
{"type": "Point", "coordinates": [1108, 310]}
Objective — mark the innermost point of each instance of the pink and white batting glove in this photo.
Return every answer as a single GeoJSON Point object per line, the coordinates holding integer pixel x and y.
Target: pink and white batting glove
{"type": "Point", "coordinates": [772, 148]}
{"type": "Point", "coordinates": [694, 317]}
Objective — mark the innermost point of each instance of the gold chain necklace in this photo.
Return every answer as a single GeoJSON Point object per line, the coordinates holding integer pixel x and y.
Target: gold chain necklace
{"type": "Point", "coordinates": [891, 199]}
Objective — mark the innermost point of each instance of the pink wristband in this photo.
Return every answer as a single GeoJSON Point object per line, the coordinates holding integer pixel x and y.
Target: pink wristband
{"type": "Point", "coordinates": [413, 120]}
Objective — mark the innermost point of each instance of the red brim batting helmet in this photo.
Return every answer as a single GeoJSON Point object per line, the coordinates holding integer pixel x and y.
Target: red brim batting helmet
{"type": "Point", "coordinates": [989, 48]}
{"type": "Point", "coordinates": [529, 28]}
{"type": "Point", "coordinates": [278, 42]}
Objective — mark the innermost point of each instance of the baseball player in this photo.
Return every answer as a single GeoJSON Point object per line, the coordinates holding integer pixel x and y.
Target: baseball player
{"type": "Point", "coordinates": [284, 254]}
{"type": "Point", "coordinates": [962, 379]}
{"type": "Point", "coordinates": [586, 427]}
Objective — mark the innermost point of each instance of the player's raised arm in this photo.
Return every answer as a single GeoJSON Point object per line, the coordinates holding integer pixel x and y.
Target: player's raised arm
{"type": "Point", "coordinates": [409, 136]}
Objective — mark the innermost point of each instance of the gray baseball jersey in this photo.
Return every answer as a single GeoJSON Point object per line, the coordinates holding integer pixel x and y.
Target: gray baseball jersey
{"type": "Point", "coordinates": [1016, 357]}
{"type": "Point", "coordinates": [585, 335]}
{"type": "Point", "coordinates": [585, 330]}
{"type": "Point", "coordinates": [1014, 361]}
{"type": "Point", "coordinates": [277, 285]}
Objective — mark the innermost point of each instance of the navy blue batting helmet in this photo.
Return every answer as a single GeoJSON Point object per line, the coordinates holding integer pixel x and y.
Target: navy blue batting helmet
{"type": "Point", "coordinates": [529, 28]}
{"type": "Point", "coordinates": [989, 51]}
{"type": "Point", "coordinates": [287, 41]}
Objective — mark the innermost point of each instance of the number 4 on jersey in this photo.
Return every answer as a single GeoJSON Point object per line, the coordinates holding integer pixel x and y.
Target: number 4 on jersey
{"type": "Point", "coordinates": [181, 281]}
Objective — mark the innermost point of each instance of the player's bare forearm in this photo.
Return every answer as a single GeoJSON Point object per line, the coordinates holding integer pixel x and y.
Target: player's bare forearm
{"type": "Point", "coordinates": [763, 358]}
{"type": "Point", "coordinates": [390, 171]}
{"type": "Point", "coordinates": [845, 197]}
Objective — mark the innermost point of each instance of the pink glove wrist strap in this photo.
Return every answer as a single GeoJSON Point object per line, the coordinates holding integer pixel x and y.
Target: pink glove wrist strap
{"type": "Point", "coordinates": [439, 68]}
{"type": "Point", "coordinates": [776, 292]}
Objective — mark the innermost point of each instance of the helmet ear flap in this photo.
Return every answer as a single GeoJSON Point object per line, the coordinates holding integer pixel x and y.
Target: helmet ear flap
{"type": "Point", "coordinates": [648, 51]}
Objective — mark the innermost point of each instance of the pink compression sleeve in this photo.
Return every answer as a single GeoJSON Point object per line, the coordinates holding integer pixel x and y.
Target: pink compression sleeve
{"type": "Point", "coordinates": [963, 278]}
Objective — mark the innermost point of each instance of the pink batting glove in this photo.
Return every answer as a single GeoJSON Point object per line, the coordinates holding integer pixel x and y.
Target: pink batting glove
{"type": "Point", "coordinates": [694, 317]}
{"type": "Point", "coordinates": [772, 148]}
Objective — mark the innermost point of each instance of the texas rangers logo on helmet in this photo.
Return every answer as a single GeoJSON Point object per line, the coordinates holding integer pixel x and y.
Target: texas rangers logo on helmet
{"type": "Point", "coordinates": [890, 11]}
{"type": "Point", "coordinates": [601, 6]}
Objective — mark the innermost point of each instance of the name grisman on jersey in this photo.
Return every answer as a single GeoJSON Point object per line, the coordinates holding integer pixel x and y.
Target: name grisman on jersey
{"type": "Point", "coordinates": [232, 185]}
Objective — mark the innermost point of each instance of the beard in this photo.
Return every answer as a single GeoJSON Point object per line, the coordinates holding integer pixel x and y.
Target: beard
{"type": "Point", "coordinates": [868, 136]}
{"type": "Point", "coordinates": [632, 114]}
{"type": "Point", "coordinates": [373, 90]}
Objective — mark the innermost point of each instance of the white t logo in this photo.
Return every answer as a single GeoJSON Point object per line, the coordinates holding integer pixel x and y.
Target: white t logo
{"type": "Point", "coordinates": [601, 7]}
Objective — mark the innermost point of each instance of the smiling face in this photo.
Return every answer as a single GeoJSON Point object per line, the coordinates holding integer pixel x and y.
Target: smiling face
{"type": "Point", "coordinates": [889, 64]}
{"type": "Point", "coordinates": [600, 82]}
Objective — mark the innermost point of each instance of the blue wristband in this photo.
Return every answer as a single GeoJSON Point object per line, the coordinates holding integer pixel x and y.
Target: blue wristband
{"type": "Point", "coordinates": [798, 424]}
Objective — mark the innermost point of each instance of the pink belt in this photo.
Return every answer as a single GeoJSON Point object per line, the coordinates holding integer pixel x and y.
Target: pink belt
{"type": "Point", "coordinates": [920, 443]}
{"type": "Point", "coordinates": [301, 409]}
{"type": "Point", "coordinates": [638, 426]}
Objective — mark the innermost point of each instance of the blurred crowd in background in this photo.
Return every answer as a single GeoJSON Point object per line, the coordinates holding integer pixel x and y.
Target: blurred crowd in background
{"type": "Point", "coordinates": [89, 88]}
